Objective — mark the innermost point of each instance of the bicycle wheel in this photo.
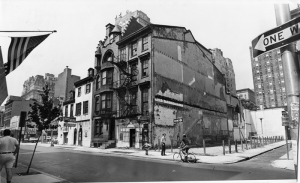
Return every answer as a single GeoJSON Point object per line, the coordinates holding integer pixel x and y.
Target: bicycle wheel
{"type": "Point", "coordinates": [176, 156]}
{"type": "Point", "coordinates": [191, 158]}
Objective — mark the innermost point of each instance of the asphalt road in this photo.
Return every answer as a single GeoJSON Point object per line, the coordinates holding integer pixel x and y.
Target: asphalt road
{"type": "Point", "coordinates": [76, 166]}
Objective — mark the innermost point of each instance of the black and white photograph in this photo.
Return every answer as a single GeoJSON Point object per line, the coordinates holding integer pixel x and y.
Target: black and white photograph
{"type": "Point", "coordinates": [149, 91]}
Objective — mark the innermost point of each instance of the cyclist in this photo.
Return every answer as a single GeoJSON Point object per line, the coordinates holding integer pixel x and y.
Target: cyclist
{"type": "Point", "coordinates": [185, 147]}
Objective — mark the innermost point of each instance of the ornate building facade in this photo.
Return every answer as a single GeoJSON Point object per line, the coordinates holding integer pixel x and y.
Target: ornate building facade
{"type": "Point", "coordinates": [33, 86]}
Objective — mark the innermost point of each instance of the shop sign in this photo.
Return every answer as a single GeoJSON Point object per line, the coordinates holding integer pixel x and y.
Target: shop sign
{"type": "Point", "coordinates": [69, 119]}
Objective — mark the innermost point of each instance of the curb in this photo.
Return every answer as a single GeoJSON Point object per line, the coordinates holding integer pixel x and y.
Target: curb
{"type": "Point", "coordinates": [53, 176]}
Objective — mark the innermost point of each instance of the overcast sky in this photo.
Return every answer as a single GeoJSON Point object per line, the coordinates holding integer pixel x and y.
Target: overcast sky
{"type": "Point", "coordinates": [227, 25]}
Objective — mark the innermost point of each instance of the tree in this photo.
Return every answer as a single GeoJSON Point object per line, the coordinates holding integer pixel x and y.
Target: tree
{"type": "Point", "coordinates": [43, 114]}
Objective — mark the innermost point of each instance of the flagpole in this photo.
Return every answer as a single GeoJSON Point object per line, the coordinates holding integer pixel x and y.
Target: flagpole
{"type": "Point", "coordinates": [30, 31]}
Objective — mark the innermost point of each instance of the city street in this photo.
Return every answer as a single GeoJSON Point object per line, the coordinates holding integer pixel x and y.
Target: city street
{"type": "Point", "coordinates": [77, 166]}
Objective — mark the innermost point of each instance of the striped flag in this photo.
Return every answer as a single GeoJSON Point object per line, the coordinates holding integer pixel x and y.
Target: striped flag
{"type": "Point", "coordinates": [19, 49]}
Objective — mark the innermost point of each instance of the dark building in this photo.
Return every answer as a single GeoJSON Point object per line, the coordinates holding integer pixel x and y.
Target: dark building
{"type": "Point", "coordinates": [153, 79]}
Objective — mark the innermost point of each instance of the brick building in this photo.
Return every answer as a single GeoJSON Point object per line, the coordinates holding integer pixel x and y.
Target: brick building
{"type": "Point", "coordinates": [153, 79]}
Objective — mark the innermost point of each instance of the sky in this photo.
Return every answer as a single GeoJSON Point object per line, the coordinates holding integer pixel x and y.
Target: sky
{"type": "Point", "coordinates": [229, 25]}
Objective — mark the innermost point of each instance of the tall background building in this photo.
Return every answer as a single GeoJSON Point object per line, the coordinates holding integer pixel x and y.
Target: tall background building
{"type": "Point", "coordinates": [64, 84]}
{"type": "Point", "coordinates": [33, 86]}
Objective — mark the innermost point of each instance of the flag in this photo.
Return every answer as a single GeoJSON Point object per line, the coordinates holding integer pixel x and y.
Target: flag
{"type": "Point", "coordinates": [19, 49]}
{"type": "Point", "coordinates": [3, 86]}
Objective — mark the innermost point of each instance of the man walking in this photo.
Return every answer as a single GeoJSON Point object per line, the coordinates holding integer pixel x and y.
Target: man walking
{"type": "Point", "coordinates": [163, 144]}
{"type": "Point", "coordinates": [9, 147]}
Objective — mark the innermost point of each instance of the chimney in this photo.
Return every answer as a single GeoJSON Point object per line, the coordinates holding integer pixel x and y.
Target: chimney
{"type": "Point", "coordinates": [109, 28]}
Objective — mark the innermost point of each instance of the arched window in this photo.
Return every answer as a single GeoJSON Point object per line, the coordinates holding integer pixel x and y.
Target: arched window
{"type": "Point", "coordinates": [109, 56]}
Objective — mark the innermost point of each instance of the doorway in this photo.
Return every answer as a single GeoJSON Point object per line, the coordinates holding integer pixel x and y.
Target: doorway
{"type": "Point", "coordinates": [75, 135]}
{"type": "Point", "coordinates": [80, 137]}
{"type": "Point", "coordinates": [65, 138]}
{"type": "Point", "coordinates": [131, 137]}
{"type": "Point", "coordinates": [112, 130]}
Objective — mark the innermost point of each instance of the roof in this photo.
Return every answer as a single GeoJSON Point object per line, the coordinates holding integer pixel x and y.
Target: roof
{"type": "Point", "coordinates": [83, 81]}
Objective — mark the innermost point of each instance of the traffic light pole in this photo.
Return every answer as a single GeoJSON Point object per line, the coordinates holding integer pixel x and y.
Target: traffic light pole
{"type": "Point", "coordinates": [291, 74]}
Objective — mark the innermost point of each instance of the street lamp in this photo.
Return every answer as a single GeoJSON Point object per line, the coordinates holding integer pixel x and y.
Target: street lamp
{"type": "Point", "coordinates": [262, 132]}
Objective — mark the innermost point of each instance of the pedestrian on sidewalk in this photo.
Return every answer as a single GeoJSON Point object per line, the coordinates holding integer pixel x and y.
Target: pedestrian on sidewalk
{"type": "Point", "coordinates": [163, 141]}
{"type": "Point", "coordinates": [9, 147]}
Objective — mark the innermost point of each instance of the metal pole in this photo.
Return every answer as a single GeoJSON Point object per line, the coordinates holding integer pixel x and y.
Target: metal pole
{"type": "Point", "coordinates": [223, 147]}
{"type": "Point", "coordinates": [204, 147]}
{"type": "Point", "coordinates": [291, 73]}
{"type": "Point", "coordinates": [20, 134]}
{"type": "Point", "coordinates": [286, 142]}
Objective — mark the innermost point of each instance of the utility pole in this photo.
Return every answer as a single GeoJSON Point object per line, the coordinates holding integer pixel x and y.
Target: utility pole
{"type": "Point", "coordinates": [291, 74]}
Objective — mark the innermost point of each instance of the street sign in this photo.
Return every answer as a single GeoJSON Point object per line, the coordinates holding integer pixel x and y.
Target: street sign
{"type": "Point", "coordinates": [277, 37]}
{"type": "Point", "coordinates": [294, 114]}
{"type": "Point", "coordinates": [178, 120]}
{"type": "Point", "coordinates": [285, 121]}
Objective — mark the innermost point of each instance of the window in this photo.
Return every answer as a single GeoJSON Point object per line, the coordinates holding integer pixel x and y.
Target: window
{"type": "Point", "coordinates": [134, 49]}
{"type": "Point", "coordinates": [97, 104]}
{"type": "Point", "coordinates": [85, 107]}
{"type": "Point", "coordinates": [283, 89]}
{"type": "Point", "coordinates": [123, 54]}
{"type": "Point", "coordinates": [145, 68]}
{"type": "Point", "coordinates": [98, 82]}
{"type": "Point", "coordinates": [259, 86]}
{"type": "Point", "coordinates": [87, 88]}
{"type": "Point", "coordinates": [279, 59]}
{"type": "Point", "coordinates": [145, 43]}
{"type": "Point", "coordinates": [78, 109]}
{"type": "Point", "coordinates": [111, 38]}
{"type": "Point", "coordinates": [107, 77]}
{"type": "Point", "coordinates": [79, 91]}
{"type": "Point", "coordinates": [134, 71]}
{"type": "Point", "coordinates": [71, 112]}
{"type": "Point", "coordinates": [98, 128]}
{"type": "Point", "coordinates": [106, 102]}
{"type": "Point", "coordinates": [66, 110]}
{"type": "Point", "coordinates": [133, 99]}
{"type": "Point", "coordinates": [145, 101]}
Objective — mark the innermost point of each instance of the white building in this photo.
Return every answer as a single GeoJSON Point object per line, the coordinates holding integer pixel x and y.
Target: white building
{"type": "Point", "coordinates": [83, 110]}
{"type": "Point", "coordinates": [75, 129]}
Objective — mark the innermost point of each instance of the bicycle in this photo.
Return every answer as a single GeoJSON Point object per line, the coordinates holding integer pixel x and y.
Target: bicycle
{"type": "Point", "coordinates": [179, 156]}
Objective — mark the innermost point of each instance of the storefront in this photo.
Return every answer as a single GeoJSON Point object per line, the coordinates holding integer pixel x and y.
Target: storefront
{"type": "Point", "coordinates": [132, 133]}
{"type": "Point", "coordinates": [83, 135]}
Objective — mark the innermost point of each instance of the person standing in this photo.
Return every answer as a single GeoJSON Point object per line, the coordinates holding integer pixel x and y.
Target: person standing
{"type": "Point", "coordinates": [163, 141]}
{"type": "Point", "coordinates": [9, 147]}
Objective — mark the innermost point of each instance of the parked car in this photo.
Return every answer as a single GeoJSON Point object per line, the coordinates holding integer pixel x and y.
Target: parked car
{"type": "Point", "coordinates": [33, 139]}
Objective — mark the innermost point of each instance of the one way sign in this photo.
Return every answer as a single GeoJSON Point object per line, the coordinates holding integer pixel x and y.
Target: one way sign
{"type": "Point", "coordinates": [277, 37]}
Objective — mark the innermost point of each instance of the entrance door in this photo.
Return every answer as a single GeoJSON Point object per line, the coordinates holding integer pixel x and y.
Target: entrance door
{"type": "Point", "coordinates": [65, 138]}
{"type": "Point", "coordinates": [132, 137]}
{"type": "Point", "coordinates": [75, 135]}
{"type": "Point", "coordinates": [80, 137]}
{"type": "Point", "coordinates": [112, 130]}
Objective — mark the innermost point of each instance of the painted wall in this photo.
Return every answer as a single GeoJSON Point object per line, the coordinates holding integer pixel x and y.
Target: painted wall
{"type": "Point", "coordinates": [187, 86]}
{"type": "Point", "coordinates": [271, 123]}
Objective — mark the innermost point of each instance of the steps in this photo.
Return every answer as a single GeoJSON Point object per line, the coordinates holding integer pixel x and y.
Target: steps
{"type": "Point", "coordinates": [108, 144]}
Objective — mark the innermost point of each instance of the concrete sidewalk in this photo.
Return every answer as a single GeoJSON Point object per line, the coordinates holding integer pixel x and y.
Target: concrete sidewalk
{"type": "Point", "coordinates": [284, 163]}
{"type": "Point", "coordinates": [214, 155]}
{"type": "Point", "coordinates": [35, 176]}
